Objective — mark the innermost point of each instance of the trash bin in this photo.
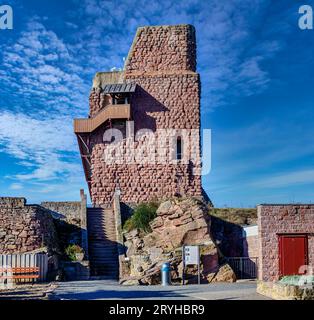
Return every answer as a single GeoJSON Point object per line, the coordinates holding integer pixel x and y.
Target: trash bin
{"type": "Point", "coordinates": [165, 274]}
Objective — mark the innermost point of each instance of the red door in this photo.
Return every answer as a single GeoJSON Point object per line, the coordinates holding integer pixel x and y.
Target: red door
{"type": "Point", "coordinates": [292, 253]}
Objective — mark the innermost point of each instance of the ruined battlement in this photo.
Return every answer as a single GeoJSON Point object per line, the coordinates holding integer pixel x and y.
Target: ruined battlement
{"type": "Point", "coordinates": [162, 49]}
{"type": "Point", "coordinates": [9, 202]}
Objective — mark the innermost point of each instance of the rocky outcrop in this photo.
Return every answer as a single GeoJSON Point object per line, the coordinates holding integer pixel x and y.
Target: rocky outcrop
{"type": "Point", "coordinates": [179, 222]}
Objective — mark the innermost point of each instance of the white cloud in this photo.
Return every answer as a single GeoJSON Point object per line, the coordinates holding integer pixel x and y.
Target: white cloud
{"type": "Point", "coordinates": [286, 179]}
{"type": "Point", "coordinates": [40, 144]}
{"type": "Point", "coordinates": [40, 70]}
{"type": "Point", "coordinates": [16, 186]}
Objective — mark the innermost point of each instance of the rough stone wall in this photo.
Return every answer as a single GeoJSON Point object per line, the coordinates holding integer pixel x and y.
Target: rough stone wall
{"type": "Point", "coordinates": [97, 99]}
{"type": "Point", "coordinates": [70, 221]}
{"type": "Point", "coordinates": [67, 211]}
{"type": "Point", "coordinates": [163, 48]}
{"type": "Point", "coordinates": [281, 291]}
{"type": "Point", "coordinates": [162, 61]}
{"type": "Point", "coordinates": [25, 228]}
{"type": "Point", "coordinates": [281, 219]}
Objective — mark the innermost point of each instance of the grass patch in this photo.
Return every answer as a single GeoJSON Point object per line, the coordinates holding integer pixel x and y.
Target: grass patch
{"type": "Point", "coordinates": [239, 216]}
{"type": "Point", "coordinates": [143, 214]}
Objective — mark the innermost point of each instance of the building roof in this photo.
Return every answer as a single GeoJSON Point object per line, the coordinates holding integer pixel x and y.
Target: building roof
{"type": "Point", "coordinates": [119, 88]}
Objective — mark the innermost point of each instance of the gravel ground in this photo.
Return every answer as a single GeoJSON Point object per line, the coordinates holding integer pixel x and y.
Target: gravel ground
{"type": "Point", "coordinates": [28, 292]}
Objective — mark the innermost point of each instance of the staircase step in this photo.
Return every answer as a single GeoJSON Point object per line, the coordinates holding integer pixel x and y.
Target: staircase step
{"type": "Point", "coordinates": [105, 266]}
{"type": "Point", "coordinates": [103, 253]}
{"type": "Point", "coordinates": [108, 270]}
{"type": "Point", "coordinates": [105, 258]}
{"type": "Point", "coordinates": [103, 250]}
{"type": "Point", "coordinates": [103, 240]}
{"type": "Point", "coordinates": [92, 231]}
{"type": "Point", "coordinates": [104, 262]}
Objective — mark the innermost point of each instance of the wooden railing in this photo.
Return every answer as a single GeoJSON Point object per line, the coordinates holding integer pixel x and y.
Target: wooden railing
{"type": "Point", "coordinates": [117, 111]}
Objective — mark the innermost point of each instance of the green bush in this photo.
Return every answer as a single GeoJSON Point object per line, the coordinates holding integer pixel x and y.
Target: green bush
{"type": "Point", "coordinates": [143, 214]}
{"type": "Point", "coordinates": [71, 251]}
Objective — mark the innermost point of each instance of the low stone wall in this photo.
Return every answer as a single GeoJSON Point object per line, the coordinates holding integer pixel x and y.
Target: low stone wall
{"type": "Point", "coordinates": [279, 291]}
{"type": "Point", "coordinates": [70, 221]}
{"type": "Point", "coordinates": [67, 211]}
{"type": "Point", "coordinates": [25, 228]}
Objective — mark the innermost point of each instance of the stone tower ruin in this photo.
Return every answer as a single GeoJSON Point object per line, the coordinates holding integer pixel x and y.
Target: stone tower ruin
{"type": "Point", "coordinates": [158, 91]}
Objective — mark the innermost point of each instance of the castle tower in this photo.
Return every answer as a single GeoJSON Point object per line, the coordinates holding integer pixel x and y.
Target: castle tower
{"type": "Point", "coordinates": [158, 90]}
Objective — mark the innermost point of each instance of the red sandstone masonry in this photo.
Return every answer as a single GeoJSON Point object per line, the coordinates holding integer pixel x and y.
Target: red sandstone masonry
{"type": "Point", "coordinates": [162, 61]}
{"type": "Point", "coordinates": [25, 228]}
{"type": "Point", "coordinates": [280, 219]}
{"type": "Point", "coordinates": [163, 48]}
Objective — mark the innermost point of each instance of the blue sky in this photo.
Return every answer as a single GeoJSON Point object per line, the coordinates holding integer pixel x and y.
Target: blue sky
{"type": "Point", "coordinates": [257, 72]}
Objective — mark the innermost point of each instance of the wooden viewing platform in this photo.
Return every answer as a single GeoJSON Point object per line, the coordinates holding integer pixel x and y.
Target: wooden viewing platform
{"type": "Point", "coordinates": [112, 111]}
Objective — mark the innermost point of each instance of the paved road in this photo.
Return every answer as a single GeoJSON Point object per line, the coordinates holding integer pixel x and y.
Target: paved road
{"type": "Point", "coordinates": [104, 289]}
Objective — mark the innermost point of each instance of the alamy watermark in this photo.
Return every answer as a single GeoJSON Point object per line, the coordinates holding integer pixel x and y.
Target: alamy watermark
{"type": "Point", "coordinates": [306, 18]}
{"type": "Point", "coordinates": [162, 146]}
{"type": "Point", "coordinates": [6, 17]}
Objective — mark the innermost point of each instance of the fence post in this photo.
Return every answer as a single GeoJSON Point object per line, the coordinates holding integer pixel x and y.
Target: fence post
{"type": "Point", "coordinates": [241, 267]}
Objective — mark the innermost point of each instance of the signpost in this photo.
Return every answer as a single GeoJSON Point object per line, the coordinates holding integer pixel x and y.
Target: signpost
{"type": "Point", "coordinates": [191, 255]}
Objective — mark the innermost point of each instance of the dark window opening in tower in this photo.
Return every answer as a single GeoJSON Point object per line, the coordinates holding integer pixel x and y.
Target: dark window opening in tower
{"type": "Point", "coordinates": [179, 148]}
{"type": "Point", "coordinates": [120, 99]}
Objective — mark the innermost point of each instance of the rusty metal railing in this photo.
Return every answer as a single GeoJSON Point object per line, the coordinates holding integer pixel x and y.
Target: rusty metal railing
{"type": "Point", "coordinates": [244, 267]}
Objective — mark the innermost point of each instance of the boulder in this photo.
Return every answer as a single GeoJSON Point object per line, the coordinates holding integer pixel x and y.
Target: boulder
{"type": "Point", "coordinates": [224, 274]}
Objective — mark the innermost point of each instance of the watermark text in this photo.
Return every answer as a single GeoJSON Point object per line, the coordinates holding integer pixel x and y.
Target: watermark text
{"type": "Point", "coordinates": [306, 18]}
